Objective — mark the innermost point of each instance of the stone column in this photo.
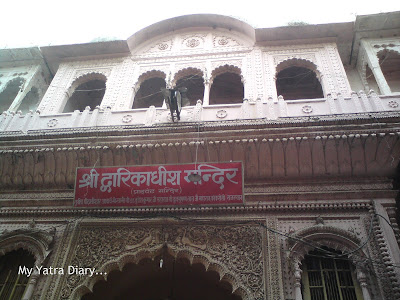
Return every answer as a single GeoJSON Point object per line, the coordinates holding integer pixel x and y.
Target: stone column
{"type": "Point", "coordinates": [362, 279]}
{"type": "Point", "coordinates": [31, 285]}
{"type": "Point", "coordinates": [297, 280]}
{"type": "Point", "coordinates": [206, 97]}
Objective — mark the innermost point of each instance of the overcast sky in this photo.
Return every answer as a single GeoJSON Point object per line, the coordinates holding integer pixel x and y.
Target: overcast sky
{"type": "Point", "coordinates": [26, 23]}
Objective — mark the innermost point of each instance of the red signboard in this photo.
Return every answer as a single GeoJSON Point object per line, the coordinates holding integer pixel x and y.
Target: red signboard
{"type": "Point", "coordinates": [163, 185]}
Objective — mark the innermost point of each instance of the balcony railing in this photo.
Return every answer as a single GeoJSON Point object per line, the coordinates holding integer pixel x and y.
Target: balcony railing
{"type": "Point", "coordinates": [269, 109]}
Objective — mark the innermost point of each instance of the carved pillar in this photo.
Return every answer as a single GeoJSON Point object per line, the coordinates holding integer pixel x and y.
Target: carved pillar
{"type": "Point", "coordinates": [373, 63]}
{"type": "Point", "coordinates": [206, 98]}
{"type": "Point", "coordinates": [245, 88]}
{"type": "Point", "coordinates": [297, 280]}
{"type": "Point", "coordinates": [30, 288]}
{"type": "Point", "coordinates": [362, 279]}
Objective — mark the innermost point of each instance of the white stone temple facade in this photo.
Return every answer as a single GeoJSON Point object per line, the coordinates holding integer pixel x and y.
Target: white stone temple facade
{"type": "Point", "coordinates": [312, 113]}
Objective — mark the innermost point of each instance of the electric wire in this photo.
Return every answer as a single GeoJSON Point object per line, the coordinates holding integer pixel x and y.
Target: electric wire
{"type": "Point", "coordinates": [184, 79]}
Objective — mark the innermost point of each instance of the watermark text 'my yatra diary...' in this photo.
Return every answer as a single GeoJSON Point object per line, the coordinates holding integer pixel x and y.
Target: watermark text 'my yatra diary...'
{"type": "Point", "coordinates": [70, 270]}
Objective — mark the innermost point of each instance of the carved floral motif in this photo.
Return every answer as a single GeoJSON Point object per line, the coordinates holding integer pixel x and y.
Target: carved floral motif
{"type": "Point", "coordinates": [307, 109]}
{"type": "Point", "coordinates": [52, 123]}
{"type": "Point", "coordinates": [221, 114]}
{"type": "Point", "coordinates": [224, 41]}
{"type": "Point", "coordinates": [127, 118]}
{"type": "Point", "coordinates": [192, 43]}
{"type": "Point", "coordinates": [393, 104]}
{"type": "Point", "coordinates": [162, 46]}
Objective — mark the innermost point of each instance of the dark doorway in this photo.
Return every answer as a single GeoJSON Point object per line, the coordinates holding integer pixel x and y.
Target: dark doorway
{"type": "Point", "coordinates": [177, 280]}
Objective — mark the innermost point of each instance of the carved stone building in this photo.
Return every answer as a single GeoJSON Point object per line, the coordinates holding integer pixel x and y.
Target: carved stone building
{"type": "Point", "coordinates": [319, 218]}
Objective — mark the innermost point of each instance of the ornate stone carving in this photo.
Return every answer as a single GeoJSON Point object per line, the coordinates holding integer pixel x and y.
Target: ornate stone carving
{"type": "Point", "coordinates": [88, 72]}
{"type": "Point", "coordinates": [310, 57]}
{"type": "Point", "coordinates": [193, 41]}
{"type": "Point", "coordinates": [224, 41]}
{"type": "Point", "coordinates": [162, 46]}
{"type": "Point", "coordinates": [235, 252]}
{"type": "Point", "coordinates": [393, 104]}
{"type": "Point", "coordinates": [307, 109]}
{"type": "Point", "coordinates": [221, 114]}
{"type": "Point", "coordinates": [36, 241]}
{"type": "Point", "coordinates": [219, 67]}
{"type": "Point", "coordinates": [127, 118]}
{"type": "Point", "coordinates": [52, 123]}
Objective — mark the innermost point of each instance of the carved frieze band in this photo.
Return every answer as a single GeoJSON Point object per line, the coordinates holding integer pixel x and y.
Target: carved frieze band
{"type": "Point", "coordinates": [297, 156]}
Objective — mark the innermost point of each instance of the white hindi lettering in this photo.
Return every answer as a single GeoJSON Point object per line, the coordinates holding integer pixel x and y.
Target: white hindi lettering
{"type": "Point", "coordinates": [138, 178]}
{"type": "Point", "coordinates": [110, 180]}
{"type": "Point", "coordinates": [161, 177]}
{"type": "Point", "coordinates": [216, 174]}
{"type": "Point", "coordinates": [89, 179]}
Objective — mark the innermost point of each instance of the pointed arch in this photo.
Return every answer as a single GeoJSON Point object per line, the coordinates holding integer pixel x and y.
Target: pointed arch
{"type": "Point", "coordinates": [148, 89]}
{"type": "Point", "coordinates": [226, 68]}
{"type": "Point", "coordinates": [193, 80]}
{"type": "Point", "coordinates": [86, 90]}
{"type": "Point", "coordinates": [328, 236]}
{"type": "Point", "coordinates": [226, 85]}
{"type": "Point", "coordinates": [298, 78]}
{"type": "Point", "coordinates": [37, 242]}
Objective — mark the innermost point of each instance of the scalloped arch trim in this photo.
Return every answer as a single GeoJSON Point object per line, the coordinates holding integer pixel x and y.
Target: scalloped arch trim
{"type": "Point", "coordinates": [227, 68]}
{"type": "Point", "coordinates": [329, 236]}
{"type": "Point", "coordinates": [181, 73]}
{"type": "Point", "coordinates": [85, 78]}
{"type": "Point", "coordinates": [297, 62]}
{"type": "Point", "coordinates": [224, 273]}
{"type": "Point", "coordinates": [150, 74]}
{"type": "Point", "coordinates": [36, 242]}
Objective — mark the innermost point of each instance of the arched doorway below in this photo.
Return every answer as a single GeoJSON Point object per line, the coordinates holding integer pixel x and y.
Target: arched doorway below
{"type": "Point", "coordinates": [177, 280]}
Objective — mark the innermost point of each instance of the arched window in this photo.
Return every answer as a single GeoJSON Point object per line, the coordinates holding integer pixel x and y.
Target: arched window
{"type": "Point", "coordinates": [192, 79]}
{"type": "Point", "coordinates": [9, 93]}
{"type": "Point", "coordinates": [149, 92]}
{"type": "Point", "coordinates": [329, 276]}
{"type": "Point", "coordinates": [227, 88]}
{"type": "Point", "coordinates": [298, 82]}
{"type": "Point", "coordinates": [390, 66]}
{"type": "Point", "coordinates": [12, 283]}
{"type": "Point", "coordinates": [89, 91]}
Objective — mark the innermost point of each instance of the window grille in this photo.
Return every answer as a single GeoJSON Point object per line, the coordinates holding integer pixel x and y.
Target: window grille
{"type": "Point", "coordinates": [326, 278]}
{"type": "Point", "coordinates": [12, 284]}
